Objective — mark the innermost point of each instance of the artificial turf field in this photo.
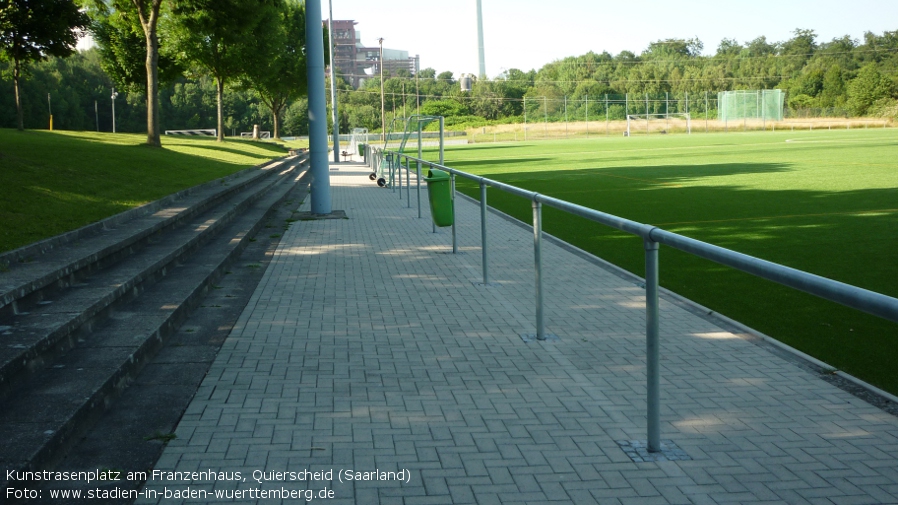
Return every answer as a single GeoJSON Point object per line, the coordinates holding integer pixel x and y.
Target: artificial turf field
{"type": "Point", "coordinates": [824, 202]}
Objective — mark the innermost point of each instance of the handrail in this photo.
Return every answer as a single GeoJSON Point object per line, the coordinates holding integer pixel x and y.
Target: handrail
{"type": "Point", "coordinates": [855, 297]}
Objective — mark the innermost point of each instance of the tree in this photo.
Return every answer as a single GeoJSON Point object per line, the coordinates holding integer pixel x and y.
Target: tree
{"type": "Point", "coordinates": [145, 13]}
{"type": "Point", "coordinates": [446, 108]}
{"type": "Point", "coordinates": [32, 30]}
{"type": "Point", "coordinates": [867, 88]}
{"type": "Point", "coordinates": [122, 45]}
{"type": "Point", "coordinates": [214, 35]}
{"type": "Point", "coordinates": [278, 70]}
{"type": "Point", "coordinates": [833, 87]}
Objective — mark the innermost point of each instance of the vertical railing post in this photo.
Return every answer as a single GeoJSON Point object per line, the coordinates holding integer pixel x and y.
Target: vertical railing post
{"type": "Point", "coordinates": [442, 140]}
{"type": "Point", "coordinates": [454, 241]}
{"type": "Point", "coordinates": [418, 187]}
{"type": "Point", "coordinates": [652, 327]}
{"type": "Point", "coordinates": [538, 267]}
{"type": "Point", "coordinates": [399, 172]}
{"type": "Point", "coordinates": [483, 248]}
{"type": "Point", "coordinates": [408, 182]}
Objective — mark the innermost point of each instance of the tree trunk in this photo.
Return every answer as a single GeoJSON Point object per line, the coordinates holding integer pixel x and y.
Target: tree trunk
{"type": "Point", "coordinates": [220, 85]}
{"type": "Point", "coordinates": [278, 106]}
{"type": "Point", "coordinates": [153, 88]}
{"type": "Point", "coordinates": [148, 21]}
{"type": "Point", "coordinates": [20, 117]}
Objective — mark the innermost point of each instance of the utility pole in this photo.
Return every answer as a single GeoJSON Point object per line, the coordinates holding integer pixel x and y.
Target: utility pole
{"type": "Point", "coordinates": [330, 38]}
{"type": "Point", "coordinates": [114, 95]}
{"type": "Point", "coordinates": [383, 106]}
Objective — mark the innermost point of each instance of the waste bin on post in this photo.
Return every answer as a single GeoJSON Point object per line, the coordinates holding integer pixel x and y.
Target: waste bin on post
{"type": "Point", "coordinates": [439, 189]}
{"type": "Point", "coordinates": [361, 149]}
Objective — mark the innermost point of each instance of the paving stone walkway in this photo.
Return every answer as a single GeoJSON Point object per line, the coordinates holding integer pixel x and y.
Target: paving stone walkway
{"type": "Point", "coordinates": [369, 348]}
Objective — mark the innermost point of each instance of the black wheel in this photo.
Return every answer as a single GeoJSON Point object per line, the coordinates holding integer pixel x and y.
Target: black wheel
{"type": "Point", "coordinates": [382, 182]}
{"type": "Point", "coordinates": [372, 176]}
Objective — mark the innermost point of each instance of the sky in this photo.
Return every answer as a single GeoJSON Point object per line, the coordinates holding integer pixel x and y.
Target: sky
{"type": "Point", "coordinates": [527, 34]}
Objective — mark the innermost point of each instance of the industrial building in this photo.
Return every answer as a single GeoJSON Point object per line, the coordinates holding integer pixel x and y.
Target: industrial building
{"type": "Point", "coordinates": [356, 62]}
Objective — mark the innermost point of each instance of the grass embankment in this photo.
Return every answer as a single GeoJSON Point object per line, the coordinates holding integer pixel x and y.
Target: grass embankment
{"type": "Point", "coordinates": [823, 202]}
{"type": "Point", "coordinates": [53, 182]}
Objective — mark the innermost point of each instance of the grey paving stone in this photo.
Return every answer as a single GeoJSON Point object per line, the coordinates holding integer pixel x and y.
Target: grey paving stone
{"type": "Point", "coordinates": [368, 346]}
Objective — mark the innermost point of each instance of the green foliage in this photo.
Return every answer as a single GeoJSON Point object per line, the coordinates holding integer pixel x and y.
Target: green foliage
{"type": "Point", "coordinates": [869, 87]}
{"type": "Point", "coordinates": [213, 35]}
{"type": "Point", "coordinates": [122, 45]}
{"type": "Point", "coordinates": [815, 75]}
{"type": "Point", "coordinates": [446, 108]}
{"type": "Point", "coordinates": [32, 30]}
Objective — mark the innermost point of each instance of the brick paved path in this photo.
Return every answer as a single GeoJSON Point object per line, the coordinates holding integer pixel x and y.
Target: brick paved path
{"type": "Point", "coordinates": [368, 346]}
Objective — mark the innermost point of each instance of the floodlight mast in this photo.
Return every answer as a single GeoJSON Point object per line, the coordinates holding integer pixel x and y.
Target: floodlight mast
{"type": "Point", "coordinates": [383, 118]}
{"type": "Point", "coordinates": [320, 186]}
{"type": "Point", "coordinates": [480, 51]}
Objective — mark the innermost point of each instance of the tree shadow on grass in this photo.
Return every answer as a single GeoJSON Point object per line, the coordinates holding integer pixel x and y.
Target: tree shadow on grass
{"type": "Point", "coordinates": [221, 148]}
{"type": "Point", "coordinates": [850, 236]}
{"type": "Point", "coordinates": [463, 165]}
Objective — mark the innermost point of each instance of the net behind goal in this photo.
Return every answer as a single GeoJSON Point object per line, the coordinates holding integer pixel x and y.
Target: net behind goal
{"type": "Point", "coordinates": [766, 104]}
{"type": "Point", "coordinates": [359, 136]}
{"type": "Point", "coordinates": [658, 123]}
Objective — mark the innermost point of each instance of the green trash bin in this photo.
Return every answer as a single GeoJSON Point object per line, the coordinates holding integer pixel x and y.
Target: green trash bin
{"type": "Point", "coordinates": [361, 149]}
{"type": "Point", "coordinates": [439, 189]}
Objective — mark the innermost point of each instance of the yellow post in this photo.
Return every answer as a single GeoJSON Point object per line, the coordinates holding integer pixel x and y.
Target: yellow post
{"type": "Point", "coordinates": [51, 122]}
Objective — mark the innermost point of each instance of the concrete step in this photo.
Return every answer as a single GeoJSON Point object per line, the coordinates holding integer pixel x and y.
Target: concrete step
{"type": "Point", "coordinates": [31, 339]}
{"type": "Point", "coordinates": [46, 411]}
{"type": "Point", "coordinates": [30, 272]}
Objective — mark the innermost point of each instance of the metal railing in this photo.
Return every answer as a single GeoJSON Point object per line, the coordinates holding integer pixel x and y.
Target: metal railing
{"type": "Point", "coordinates": [852, 296]}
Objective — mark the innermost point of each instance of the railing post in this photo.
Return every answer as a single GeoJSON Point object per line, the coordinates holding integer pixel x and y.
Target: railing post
{"type": "Point", "coordinates": [538, 267]}
{"type": "Point", "coordinates": [399, 172]}
{"type": "Point", "coordinates": [483, 248]}
{"type": "Point", "coordinates": [454, 241]}
{"type": "Point", "coordinates": [408, 182]}
{"type": "Point", "coordinates": [418, 188]}
{"type": "Point", "coordinates": [652, 327]}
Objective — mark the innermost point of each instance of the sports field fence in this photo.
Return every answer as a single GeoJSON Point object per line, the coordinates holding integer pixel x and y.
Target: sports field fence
{"type": "Point", "coordinates": [585, 116]}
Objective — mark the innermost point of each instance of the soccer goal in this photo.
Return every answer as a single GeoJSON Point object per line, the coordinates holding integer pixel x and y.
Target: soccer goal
{"type": "Point", "coordinates": [658, 123]}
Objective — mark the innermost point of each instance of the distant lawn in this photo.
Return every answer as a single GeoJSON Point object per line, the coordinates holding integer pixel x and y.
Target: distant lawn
{"type": "Point", "coordinates": [53, 182]}
{"type": "Point", "coordinates": [824, 202]}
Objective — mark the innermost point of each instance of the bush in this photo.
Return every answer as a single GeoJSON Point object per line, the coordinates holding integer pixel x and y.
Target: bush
{"type": "Point", "coordinates": [446, 108]}
{"type": "Point", "coordinates": [885, 108]}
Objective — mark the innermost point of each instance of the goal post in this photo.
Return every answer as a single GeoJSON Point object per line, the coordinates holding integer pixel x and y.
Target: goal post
{"type": "Point", "coordinates": [633, 120]}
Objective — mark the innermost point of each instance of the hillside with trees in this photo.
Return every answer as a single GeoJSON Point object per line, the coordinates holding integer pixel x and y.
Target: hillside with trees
{"type": "Point", "coordinates": [840, 78]}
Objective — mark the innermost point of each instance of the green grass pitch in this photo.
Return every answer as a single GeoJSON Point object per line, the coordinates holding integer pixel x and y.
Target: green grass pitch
{"type": "Point", "coordinates": [53, 182]}
{"type": "Point", "coordinates": [824, 202]}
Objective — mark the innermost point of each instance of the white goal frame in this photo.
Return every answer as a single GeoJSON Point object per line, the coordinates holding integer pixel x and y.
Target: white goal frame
{"type": "Point", "coordinates": [633, 118]}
